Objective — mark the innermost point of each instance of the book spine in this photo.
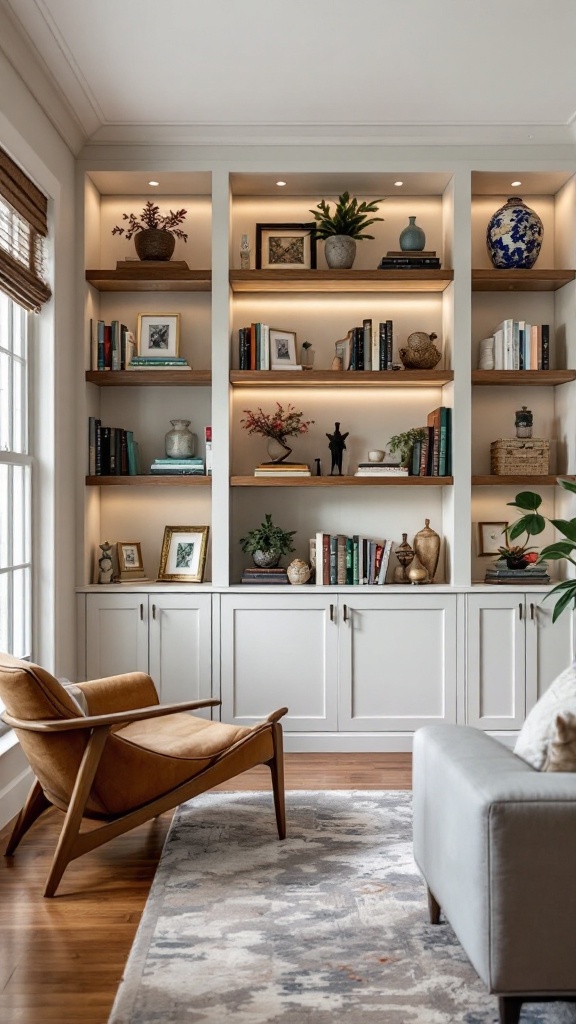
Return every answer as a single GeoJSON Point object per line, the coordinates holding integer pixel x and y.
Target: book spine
{"type": "Point", "coordinates": [367, 343]}
{"type": "Point", "coordinates": [100, 344]}
{"type": "Point", "coordinates": [326, 559]}
{"type": "Point", "coordinates": [443, 445]}
{"type": "Point", "coordinates": [355, 559]}
{"type": "Point", "coordinates": [359, 333]}
{"type": "Point", "coordinates": [389, 344]}
{"type": "Point", "coordinates": [115, 345]}
{"type": "Point", "coordinates": [93, 346]}
{"type": "Point", "coordinates": [349, 562]}
{"type": "Point", "coordinates": [107, 347]}
{"type": "Point", "coordinates": [208, 445]}
{"type": "Point", "coordinates": [104, 451]}
{"type": "Point", "coordinates": [385, 561]}
{"type": "Point", "coordinates": [545, 346]}
{"type": "Point", "coordinates": [319, 548]}
{"type": "Point", "coordinates": [382, 347]}
{"type": "Point", "coordinates": [92, 421]}
{"type": "Point", "coordinates": [416, 455]}
{"type": "Point", "coordinates": [341, 560]}
{"type": "Point", "coordinates": [424, 457]}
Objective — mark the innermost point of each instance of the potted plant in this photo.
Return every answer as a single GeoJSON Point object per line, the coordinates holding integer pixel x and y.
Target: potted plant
{"type": "Point", "coordinates": [404, 443]}
{"type": "Point", "coordinates": [154, 233]}
{"type": "Point", "coordinates": [267, 543]}
{"type": "Point", "coordinates": [276, 426]}
{"type": "Point", "coordinates": [343, 228]}
{"type": "Point", "coordinates": [532, 523]}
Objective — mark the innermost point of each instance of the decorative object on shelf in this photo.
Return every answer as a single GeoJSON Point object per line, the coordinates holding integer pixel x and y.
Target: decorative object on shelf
{"type": "Point", "coordinates": [158, 335]}
{"type": "Point", "coordinates": [404, 443]}
{"type": "Point", "coordinates": [412, 238]}
{"type": "Point", "coordinates": [277, 426]}
{"type": "Point", "coordinates": [515, 456]}
{"type": "Point", "coordinates": [376, 455]}
{"type": "Point", "coordinates": [490, 538]}
{"type": "Point", "coordinates": [337, 446]}
{"type": "Point", "coordinates": [420, 352]}
{"type": "Point", "coordinates": [285, 247]}
{"type": "Point", "coordinates": [405, 555]}
{"type": "Point", "coordinates": [426, 546]}
{"type": "Point", "coordinates": [282, 349]}
{"type": "Point", "coordinates": [307, 356]}
{"type": "Point", "coordinates": [245, 251]}
{"type": "Point", "coordinates": [130, 564]}
{"type": "Point", "coordinates": [486, 359]}
{"type": "Point", "coordinates": [514, 236]}
{"type": "Point", "coordinates": [343, 228]}
{"type": "Point", "coordinates": [524, 422]}
{"type": "Point", "coordinates": [318, 467]}
{"type": "Point", "coordinates": [267, 543]}
{"type": "Point", "coordinates": [343, 352]}
{"type": "Point", "coordinates": [105, 563]}
{"type": "Point", "coordinates": [183, 557]}
{"type": "Point", "coordinates": [180, 442]}
{"type": "Point", "coordinates": [418, 575]}
{"type": "Point", "coordinates": [154, 233]}
{"type": "Point", "coordinates": [299, 572]}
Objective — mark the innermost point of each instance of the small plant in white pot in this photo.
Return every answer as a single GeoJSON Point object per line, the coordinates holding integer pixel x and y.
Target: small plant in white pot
{"type": "Point", "coordinates": [342, 228]}
{"type": "Point", "coordinates": [267, 543]}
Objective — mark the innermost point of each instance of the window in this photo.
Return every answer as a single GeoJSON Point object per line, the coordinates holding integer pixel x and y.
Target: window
{"type": "Point", "coordinates": [15, 483]}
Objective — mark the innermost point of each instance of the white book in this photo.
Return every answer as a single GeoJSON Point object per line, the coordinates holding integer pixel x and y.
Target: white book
{"type": "Point", "coordinates": [384, 562]}
{"type": "Point", "coordinates": [265, 347]}
{"type": "Point", "coordinates": [282, 366]}
{"type": "Point", "coordinates": [528, 347]}
{"type": "Point", "coordinates": [319, 557]}
{"type": "Point", "coordinates": [499, 349]}
{"type": "Point", "coordinates": [506, 326]}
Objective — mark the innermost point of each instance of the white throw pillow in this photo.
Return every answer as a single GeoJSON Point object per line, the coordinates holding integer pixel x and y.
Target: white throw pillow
{"type": "Point", "coordinates": [540, 725]}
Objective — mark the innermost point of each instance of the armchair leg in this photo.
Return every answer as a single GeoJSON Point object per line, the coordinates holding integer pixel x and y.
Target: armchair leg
{"type": "Point", "coordinates": [509, 1008]}
{"type": "Point", "coordinates": [36, 804]}
{"type": "Point", "coordinates": [276, 766]}
{"type": "Point", "coordinates": [433, 908]}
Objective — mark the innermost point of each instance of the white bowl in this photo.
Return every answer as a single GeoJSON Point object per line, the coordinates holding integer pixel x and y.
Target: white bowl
{"type": "Point", "coordinates": [377, 455]}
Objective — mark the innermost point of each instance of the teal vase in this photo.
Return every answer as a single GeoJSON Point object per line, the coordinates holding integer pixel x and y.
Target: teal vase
{"type": "Point", "coordinates": [412, 238]}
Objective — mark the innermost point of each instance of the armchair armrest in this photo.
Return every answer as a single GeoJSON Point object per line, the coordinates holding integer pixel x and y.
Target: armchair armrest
{"type": "Point", "coordinates": [115, 718]}
{"type": "Point", "coordinates": [122, 692]}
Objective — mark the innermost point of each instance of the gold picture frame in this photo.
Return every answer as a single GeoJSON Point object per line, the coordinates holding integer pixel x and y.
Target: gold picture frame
{"type": "Point", "coordinates": [158, 335]}
{"type": "Point", "coordinates": [129, 560]}
{"type": "Point", "coordinates": [183, 557]}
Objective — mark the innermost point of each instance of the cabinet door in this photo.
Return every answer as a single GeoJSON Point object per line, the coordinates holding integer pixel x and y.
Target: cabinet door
{"type": "Point", "coordinates": [279, 650]}
{"type": "Point", "coordinates": [181, 646]}
{"type": "Point", "coordinates": [496, 661]}
{"type": "Point", "coordinates": [116, 634]}
{"type": "Point", "coordinates": [397, 661]}
{"type": "Point", "coordinates": [549, 647]}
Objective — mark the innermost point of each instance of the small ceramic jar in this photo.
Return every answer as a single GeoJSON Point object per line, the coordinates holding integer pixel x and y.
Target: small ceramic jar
{"type": "Point", "coordinates": [298, 571]}
{"type": "Point", "coordinates": [376, 455]}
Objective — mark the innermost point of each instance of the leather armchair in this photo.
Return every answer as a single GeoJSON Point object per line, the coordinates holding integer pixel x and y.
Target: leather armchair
{"type": "Point", "coordinates": [107, 750]}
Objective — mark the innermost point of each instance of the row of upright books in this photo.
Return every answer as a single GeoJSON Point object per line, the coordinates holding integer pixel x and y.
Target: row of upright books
{"type": "Point", "coordinates": [364, 348]}
{"type": "Point", "coordinates": [112, 451]}
{"type": "Point", "coordinates": [349, 561]}
{"type": "Point", "coordinates": [517, 345]}
{"type": "Point", "coordinates": [432, 454]}
{"type": "Point", "coordinates": [112, 345]}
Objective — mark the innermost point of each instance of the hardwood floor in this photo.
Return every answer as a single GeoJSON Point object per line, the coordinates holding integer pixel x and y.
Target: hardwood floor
{"type": "Point", "coordinates": [61, 959]}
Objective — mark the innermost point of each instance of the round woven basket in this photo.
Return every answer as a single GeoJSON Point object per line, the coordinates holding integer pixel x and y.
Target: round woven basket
{"type": "Point", "coordinates": [154, 244]}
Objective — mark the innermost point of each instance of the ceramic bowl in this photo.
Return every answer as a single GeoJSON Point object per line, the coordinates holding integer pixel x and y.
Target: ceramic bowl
{"type": "Point", "coordinates": [376, 455]}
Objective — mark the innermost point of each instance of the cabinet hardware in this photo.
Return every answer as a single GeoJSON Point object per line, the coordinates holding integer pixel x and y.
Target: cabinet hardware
{"type": "Point", "coordinates": [153, 611]}
{"type": "Point", "coordinates": [520, 610]}
{"type": "Point", "coordinates": [141, 613]}
{"type": "Point", "coordinates": [331, 613]}
{"type": "Point", "coordinates": [532, 612]}
{"type": "Point", "coordinates": [346, 616]}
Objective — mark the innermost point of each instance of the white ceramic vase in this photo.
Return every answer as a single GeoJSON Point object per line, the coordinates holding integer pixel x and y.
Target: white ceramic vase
{"type": "Point", "coordinates": [340, 252]}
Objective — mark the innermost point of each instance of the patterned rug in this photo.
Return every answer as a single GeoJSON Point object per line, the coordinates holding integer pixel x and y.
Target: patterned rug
{"type": "Point", "coordinates": [329, 926]}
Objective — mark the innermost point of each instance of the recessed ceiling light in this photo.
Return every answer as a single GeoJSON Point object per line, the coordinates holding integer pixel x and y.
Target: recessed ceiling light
{"type": "Point", "coordinates": [515, 183]}
{"type": "Point", "coordinates": [398, 183]}
{"type": "Point", "coordinates": [155, 183]}
{"type": "Point", "coordinates": [280, 183]}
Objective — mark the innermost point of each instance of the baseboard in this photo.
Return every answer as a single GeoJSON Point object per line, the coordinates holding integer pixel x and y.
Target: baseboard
{"type": "Point", "coordinates": [15, 778]}
{"type": "Point", "coordinates": [347, 743]}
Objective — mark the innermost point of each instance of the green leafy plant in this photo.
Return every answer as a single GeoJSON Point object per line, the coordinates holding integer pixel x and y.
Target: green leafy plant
{"type": "Point", "coordinates": [152, 218]}
{"type": "Point", "coordinates": [268, 537]}
{"type": "Point", "coordinates": [349, 218]}
{"type": "Point", "coordinates": [532, 523]}
{"type": "Point", "coordinates": [404, 443]}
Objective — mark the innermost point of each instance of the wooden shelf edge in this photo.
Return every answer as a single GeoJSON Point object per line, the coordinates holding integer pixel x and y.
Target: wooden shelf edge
{"type": "Point", "coordinates": [340, 280]}
{"type": "Point", "coordinates": [341, 481]}
{"type": "Point", "coordinates": [525, 378]}
{"type": "Point", "coordinates": [143, 278]}
{"type": "Point", "coordinates": [540, 280]}
{"type": "Point", "coordinates": [506, 481]}
{"type": "Point", "coordinates": [342, 378]}
{"type": "Point", "coordinates": [157, 378]}
{"type": "Point", "coordinates": [149, 481]}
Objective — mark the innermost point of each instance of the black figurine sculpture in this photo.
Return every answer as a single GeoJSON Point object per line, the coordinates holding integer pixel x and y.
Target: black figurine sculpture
{"type": "Point", "coordinates": [337, 447]}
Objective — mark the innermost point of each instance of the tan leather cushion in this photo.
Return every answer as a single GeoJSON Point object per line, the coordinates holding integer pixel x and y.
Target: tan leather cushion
{"type": "Point", "coordinates": [31, 693]}
{"type": "Point", "coordinates": [183, 735]}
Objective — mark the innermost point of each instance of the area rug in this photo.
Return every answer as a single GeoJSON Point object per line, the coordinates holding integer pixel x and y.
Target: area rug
{"type": "Point", "coordinates": [329, 926]}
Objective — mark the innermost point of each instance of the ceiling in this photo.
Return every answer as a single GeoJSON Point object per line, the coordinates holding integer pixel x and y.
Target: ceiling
{"type": "Point", "coordinates": [285, 71]}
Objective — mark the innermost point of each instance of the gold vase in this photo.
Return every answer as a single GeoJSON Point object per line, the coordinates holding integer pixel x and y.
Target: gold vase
{"type": "Point", "coordinates": [427, 549]}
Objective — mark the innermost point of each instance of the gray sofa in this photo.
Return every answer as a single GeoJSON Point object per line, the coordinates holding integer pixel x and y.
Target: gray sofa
{"type": "Point", "coordinates": [496, 843]}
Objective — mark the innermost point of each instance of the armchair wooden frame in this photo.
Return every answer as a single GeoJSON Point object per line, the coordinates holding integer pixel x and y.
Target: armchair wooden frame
{"type": "Point", "coordinates": [72, 842]}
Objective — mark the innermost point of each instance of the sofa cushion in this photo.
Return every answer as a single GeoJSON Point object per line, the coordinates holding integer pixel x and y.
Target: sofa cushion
{"type": "Point", "coordinates": [540, 726]}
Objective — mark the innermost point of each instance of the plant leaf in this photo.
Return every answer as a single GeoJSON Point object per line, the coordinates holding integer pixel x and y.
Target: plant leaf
{"type": "Point", "coordinates": [564, 600]}
{"type": "Point", "coordinates": [526, 500]}
{"type": "Point", "coordinates": [561, 549]}
{"type": "Point", "coordinates": [568, 485]}
{"type": "Point", "coordinates": [566, 526]}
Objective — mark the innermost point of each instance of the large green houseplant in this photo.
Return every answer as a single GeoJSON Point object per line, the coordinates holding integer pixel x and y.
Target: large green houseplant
{"type": "Point", "coordinates": [343, 227]}
{"type": "Point", "coordinates": [532, 522]}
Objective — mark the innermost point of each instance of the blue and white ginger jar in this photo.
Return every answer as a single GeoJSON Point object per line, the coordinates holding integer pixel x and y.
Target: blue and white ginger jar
{"type": "Point", "coordinates": [514, 236]}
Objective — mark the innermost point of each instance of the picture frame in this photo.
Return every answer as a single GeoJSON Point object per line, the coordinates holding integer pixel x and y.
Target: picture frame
{"type": "Point", "coordinates": [183, 557]}
{"type": "Point", "coordinates": [490, 538]}
{"type": "Point", "coordinates": [158, 335]}
{"type": "Point", "coordinates": [282, 349]}
{"type": "Point", "coordinates": [285, 247]}
{"type": "Point", "coordinates": [129, 560]}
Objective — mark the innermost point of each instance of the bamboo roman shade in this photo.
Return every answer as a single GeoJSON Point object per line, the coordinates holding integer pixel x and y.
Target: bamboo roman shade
{"type": "Point", "coordinates": [23, 226]}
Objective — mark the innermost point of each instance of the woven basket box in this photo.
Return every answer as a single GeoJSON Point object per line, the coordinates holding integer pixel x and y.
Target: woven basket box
{"type": "Point", "coordinates": [514, 456]}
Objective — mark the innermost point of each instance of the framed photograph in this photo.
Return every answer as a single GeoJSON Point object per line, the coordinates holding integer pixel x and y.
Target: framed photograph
{"type": "Point", "coordinates": [183, 557]}
{"type": "Point", "coordinates": [285, 247]}
{"type": "Point", "coordinates": [129, 561]}
{"type": "Point", "coordinates": [282, 349]}
{"type": "Point", "coordinates": [158, 334]}
{"type": "Point", "coordinates": [491, 537]}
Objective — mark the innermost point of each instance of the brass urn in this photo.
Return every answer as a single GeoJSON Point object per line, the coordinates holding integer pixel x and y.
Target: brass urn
{"type": "Point", "coordinates": [427, 549]}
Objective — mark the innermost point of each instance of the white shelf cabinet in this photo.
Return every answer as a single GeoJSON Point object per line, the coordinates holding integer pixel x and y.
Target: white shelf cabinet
{"type": "Point", "coordinates": [513, 654]}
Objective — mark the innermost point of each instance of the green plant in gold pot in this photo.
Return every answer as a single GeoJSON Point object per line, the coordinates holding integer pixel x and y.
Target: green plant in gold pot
{"type": "Point", "coordinates": [343, 227]}
{"type": "Point", "coordinates": [154, 233]}
{"type": "Point", "coordinates": [267, 543]}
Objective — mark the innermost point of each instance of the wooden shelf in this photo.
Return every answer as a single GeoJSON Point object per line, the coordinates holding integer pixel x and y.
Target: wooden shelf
{"type": "Point", "coordinates": [341, 378]}
{"type": "Point", "coordinates": [149, 481]}
{"type": "Point", "coordinates": [506, 481]}
{"type": "Point", "coordinates": [340, 280]}
{"type": "Point", "coordinates": [526, 378]}
{"type": "Point", "coordinates": [156, 378]}
{"type": "Point", "coordinates": [520, 280]}
{"type": "Point", "coordinates": [341, 481]}
{"type": "Point", "coordinates": [141, 278]}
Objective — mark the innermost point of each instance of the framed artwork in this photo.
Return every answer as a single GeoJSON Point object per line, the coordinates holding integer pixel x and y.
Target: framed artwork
{"type": "Point", "coordinates": [129, 558]}
{"type": "Point", "coordinates": [158, 335]}
{"type": "Point", "coordinates": [183, 557]}
{"type": "Point", "coordinates": [285, 247]}
{"type": "Point", "coordinates": [282, 349]}
{"type": "Point", "coordinates": [491, 537]}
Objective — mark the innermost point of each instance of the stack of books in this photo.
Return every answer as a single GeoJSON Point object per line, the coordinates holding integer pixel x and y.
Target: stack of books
{"type": "Point", "coordinates": [380, 469]}
{"type": "Point", "coordinates": [499, 572]}
{"type": "Point", "coordinates": [282, 469]}
{"type": "Point", "coordinates": [159, 363]}
{"type": "Point", "coordinates": [177, 467]}
{"type": "Point", "coordinates": [400, 260]}
{"type": "Point", "coordinates": [255, 575]}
